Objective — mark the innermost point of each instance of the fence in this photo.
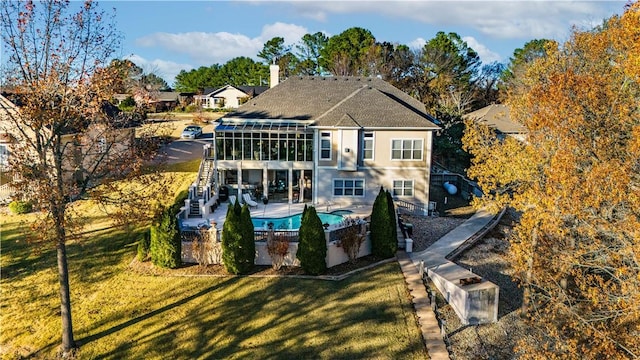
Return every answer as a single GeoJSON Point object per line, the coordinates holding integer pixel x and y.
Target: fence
{"type": "Point", "coordinates": [466, 187]}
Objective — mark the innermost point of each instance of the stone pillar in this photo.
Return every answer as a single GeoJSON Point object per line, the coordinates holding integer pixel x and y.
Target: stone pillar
{"type": "Point", "coordinates": [265, 182]}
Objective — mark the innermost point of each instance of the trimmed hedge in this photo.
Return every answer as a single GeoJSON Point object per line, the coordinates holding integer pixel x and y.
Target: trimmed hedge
{"type": "Point", "coordinates": [144, 243]}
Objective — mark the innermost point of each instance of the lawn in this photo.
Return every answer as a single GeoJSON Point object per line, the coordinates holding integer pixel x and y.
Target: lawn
{"type": "Point", "coordinates": [118, 313]}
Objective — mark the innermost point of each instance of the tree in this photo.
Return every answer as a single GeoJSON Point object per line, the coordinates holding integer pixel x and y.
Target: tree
{"type": "Point", "coordinates": [308, 53]}
{"type": "Point", "coordinates": [344, 53]}
{"type": "Point", "coordinates": [576, 182]}
{"type": "Point", "coordinates": [68, 139]}
{"type": "Point", "coordinates": [383, 242]}
{"type": "Point", "coordinates": [312, 246]}
{"type": "Point", "coordinates": [274, 50]}
{"type": "Point", "coordinates": [238, 241]}
{"type": "Point", "coordinates": [447, 67]}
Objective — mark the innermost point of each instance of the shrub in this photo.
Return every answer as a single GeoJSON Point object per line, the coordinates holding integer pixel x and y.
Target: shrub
{"type": "Point", "coordinates": [165, 240]}
{"type": "Point", "coordinates": [383, 242]}
{"type": "Point", "coordinates": [277, 247]}
{"type": "Point", "coordinates": [352, 237]}
{"type": "Point", "coordinates": [144, 243]}
{"type": "Point", "coordinates": [312, 248]}
{"type": "Point", "coordinates": [20, 207]}
{"type": "Point", "coordinates": [238, 244]}
{"type": "Point", "coordinates": [205, 249]}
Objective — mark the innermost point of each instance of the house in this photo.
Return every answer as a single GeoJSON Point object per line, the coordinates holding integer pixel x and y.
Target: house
{"type": "Point", "coordinates": [496, 116]}
{"type": "Point", "coordinates": [323, 140]}
{"type": "Point", "coordinates": [97, 143]}
{"type": "Point", "coordinates": [229, 96]}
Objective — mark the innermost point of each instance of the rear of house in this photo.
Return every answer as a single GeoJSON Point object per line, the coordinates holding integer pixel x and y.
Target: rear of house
{"type": "Point", "coordinates": [325, 140]}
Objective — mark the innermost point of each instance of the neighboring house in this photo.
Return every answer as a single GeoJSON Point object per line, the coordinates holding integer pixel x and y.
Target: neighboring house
{"type": "Point", "coordinates": [82, 149]}
{"type": "Point", "coordinates": [496, 116]}
{"type": "Point", "coordinates": [155, 101]}
{"type": "Point", "coordinates": [228, 97]}
{"type": "Point", "coordinates": [333, 140]}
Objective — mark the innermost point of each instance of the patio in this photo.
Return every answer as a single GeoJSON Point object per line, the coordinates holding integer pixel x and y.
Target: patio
{"type": "Point", "coordinates": [275, 210]}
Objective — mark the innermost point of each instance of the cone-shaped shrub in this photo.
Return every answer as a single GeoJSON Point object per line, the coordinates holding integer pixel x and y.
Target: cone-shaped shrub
{"type": "Point", "coordinates": [232, 239]}
{"type": "Point", "coordinates": [247, 249]}
{"type": "Point", "coordinates": [312, 248]}
{"type": "Point", "coordinates": [383, 243]}
{"type": "Point", "coordinates": [165, 240]}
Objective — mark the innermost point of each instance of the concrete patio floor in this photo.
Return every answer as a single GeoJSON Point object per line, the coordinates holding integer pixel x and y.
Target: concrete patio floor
{"type": "Point", "coordinates": [276, 210]}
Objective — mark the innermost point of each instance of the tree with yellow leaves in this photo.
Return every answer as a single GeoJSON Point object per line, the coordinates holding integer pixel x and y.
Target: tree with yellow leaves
{"type": "Point", "coordinates": [576, 182]}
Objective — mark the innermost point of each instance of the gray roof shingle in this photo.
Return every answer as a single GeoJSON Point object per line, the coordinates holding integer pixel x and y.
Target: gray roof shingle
{"type": "Point", "coordinates": [340, 102]}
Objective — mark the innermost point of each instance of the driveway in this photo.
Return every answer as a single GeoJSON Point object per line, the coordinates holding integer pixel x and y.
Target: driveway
{"type": "Point", "coordinates": [181, 150]}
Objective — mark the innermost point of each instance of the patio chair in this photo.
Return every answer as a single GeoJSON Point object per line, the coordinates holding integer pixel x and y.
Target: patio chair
{"type": "Point", "coordinates": [232, 199]}
{"type": "Point", "coordinates": [248, 200]}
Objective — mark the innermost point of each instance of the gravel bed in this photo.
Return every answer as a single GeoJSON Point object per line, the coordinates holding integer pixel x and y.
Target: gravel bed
{"type": "Point", "coordinates": [427, 230]}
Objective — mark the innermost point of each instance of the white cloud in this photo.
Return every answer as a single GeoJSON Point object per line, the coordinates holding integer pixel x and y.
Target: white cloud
{"type": "Point", "coordinates": [487, 56]}
{"type": "Point", "coordinates": [501, 19]}
{"type": "Point", "coordinates": [418, 43]}
{"type": "Point", "coordinates": [206, 48]}
{"type": "Point", "coordinates": [165, 69]}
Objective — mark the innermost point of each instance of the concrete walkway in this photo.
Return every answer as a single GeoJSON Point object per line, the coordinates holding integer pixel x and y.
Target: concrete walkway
{"type": "Point", "coordinates": [435, 257]}
{"type": "Point", "coordinates": [436, 254]}
{"type": "Point", "coordinates": [436, 348]}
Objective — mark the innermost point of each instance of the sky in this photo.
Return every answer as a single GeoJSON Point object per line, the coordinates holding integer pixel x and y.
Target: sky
{"type": "Point", "coordinates": [165, 37]}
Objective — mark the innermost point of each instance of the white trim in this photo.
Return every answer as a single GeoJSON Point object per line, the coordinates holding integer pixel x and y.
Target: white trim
{"type": "Point", "coordinates": [373, 145]}
{"type": "Point", "coordinates": [321, 158]}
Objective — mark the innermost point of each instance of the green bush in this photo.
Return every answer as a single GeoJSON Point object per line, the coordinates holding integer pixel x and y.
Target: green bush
{"type": "Point", "coordinates": [312, 246]}
{"type": "Point", "coordinates": [238, 246]}
{"type": "Point", "coordinates": [383, 242]}
{"type": "Point", "coordinates": [144, 243]}
{"type": "Point", "coordinates": [165, 243]}
{"type": "Point", "coordinates": [20, 207]}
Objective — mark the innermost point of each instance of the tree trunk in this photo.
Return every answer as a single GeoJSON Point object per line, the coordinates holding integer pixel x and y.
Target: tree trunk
{"type": "Point", "coordinates": [526, 298]}
{"type": "Point", "coordinates": [65, 299]}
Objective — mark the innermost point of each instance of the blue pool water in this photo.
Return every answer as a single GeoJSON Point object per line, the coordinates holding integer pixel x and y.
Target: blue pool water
{"type": "Point", "coordinates": [293, 222]}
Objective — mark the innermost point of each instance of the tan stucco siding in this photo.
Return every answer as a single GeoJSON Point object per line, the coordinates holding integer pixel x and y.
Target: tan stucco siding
{"type": "Point", "coordinates": [373, 178]}
{"type": "Point", "coordinates": [382, 148]}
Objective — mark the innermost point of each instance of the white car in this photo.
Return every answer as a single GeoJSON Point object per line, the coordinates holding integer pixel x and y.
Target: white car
{"type": "Point", "coordinates": [191, 132]}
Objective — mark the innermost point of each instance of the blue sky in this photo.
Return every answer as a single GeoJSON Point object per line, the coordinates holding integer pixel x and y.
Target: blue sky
{"type": "Point", "coordinates": [165, 37]}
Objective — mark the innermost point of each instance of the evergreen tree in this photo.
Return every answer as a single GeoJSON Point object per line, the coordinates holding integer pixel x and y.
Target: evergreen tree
{"type": "Point", "coordinates": [394, 224]}
{"type": "Point", "coordinates": [312, 248]}
{"type": "Point", "coordinates": [383, 244]}
{"type": "Point", "coordinates": [231, 239]}
{"type": "Point", "coordinates": [165, 241]}
{"type": "Point", "coordinates": [247, 249]}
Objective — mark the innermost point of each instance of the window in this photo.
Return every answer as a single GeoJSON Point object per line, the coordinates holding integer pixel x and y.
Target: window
{"type": "Point", "coordinates": [348, 187]}
{"type": "Point", "coordinates": [402, 187]}
{"type": "Point", "coordinates": [325, 146]}
{"type": "Point", "coordinates": [4, 155]}
{"type": "Point", "coordinates": [406, 149]}
{"type": "Point", "coordinates": [367, 146]}
{"type": "Point", "coordinates": [102, 145]}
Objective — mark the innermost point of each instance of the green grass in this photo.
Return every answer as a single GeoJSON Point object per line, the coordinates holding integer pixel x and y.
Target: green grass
{"type": "Point", "coordinates": [121, 314]}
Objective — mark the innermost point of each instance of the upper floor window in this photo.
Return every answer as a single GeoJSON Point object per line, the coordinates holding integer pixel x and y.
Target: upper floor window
{"type": "Point", "coordinates": [402, 187]}
{"type": "Point", "coordinates": [367, 146]}
{"type": "Point", "coordinates": [406, 149]}
{"type": "Point", "coordinates": [325, 146]}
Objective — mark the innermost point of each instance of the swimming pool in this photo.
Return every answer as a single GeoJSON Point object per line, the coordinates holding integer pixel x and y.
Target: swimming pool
{"type": "Point", "coordinates": [293, 222]}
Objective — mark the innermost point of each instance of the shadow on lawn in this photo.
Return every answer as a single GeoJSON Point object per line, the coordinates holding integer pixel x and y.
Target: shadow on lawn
{"type": "Point", "coordinates": [272, 318]}
{"type": "Point", "coordinates": [288, 318]}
